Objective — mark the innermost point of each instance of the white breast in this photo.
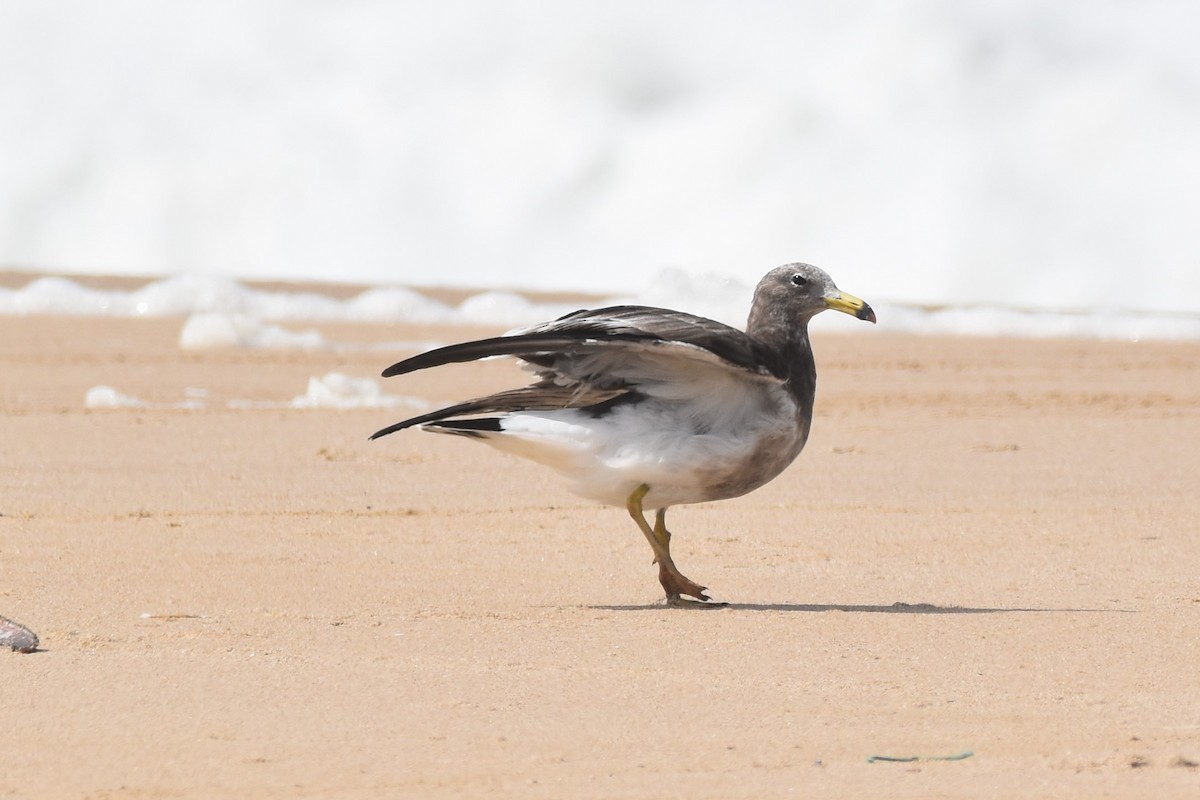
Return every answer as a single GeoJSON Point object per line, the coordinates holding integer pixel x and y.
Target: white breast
{"type": "Point", "coordinates": [689, 448]}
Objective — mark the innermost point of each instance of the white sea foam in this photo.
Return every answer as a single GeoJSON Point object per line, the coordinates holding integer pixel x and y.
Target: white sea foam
{"type": "Point", "coordinates": [227, 312]}
{"type": "Point", "coordinates": [108, 397]}
{"type": "Point", "coordinates": [204, 330]}
{"type": "Point", "coordinates": [336, 390]}
{"type": "Point", "coordinates": [223, 313]}
{"type": "Point", "coordinates": [1032, 323]}
{"type": "Point", "coordinates": [1021, 154]}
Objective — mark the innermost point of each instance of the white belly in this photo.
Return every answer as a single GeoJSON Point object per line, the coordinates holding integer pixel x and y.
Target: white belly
{"type": "Point", "coordinates": [685, 452]}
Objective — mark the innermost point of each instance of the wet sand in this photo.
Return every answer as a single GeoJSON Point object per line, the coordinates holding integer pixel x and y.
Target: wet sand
{"type": "Point", "coordinates": [988, 546]}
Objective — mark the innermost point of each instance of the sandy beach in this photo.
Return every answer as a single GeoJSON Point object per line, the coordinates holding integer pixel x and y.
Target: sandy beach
{"type": "Point", "coordinates": [988, 552]}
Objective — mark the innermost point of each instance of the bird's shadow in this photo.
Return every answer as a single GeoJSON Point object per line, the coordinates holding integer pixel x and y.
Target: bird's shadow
{"type": "Point", "coordinates": [894, 608]}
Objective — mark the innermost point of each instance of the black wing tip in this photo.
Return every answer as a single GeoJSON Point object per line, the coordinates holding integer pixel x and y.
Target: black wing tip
{"type": "Point", "coordinates": [465, 427]}
{"type": "Point", "coordinates": [394, 369]}
{"type": "Point", "coordinates": [429, 358]}
{"type": "Point", "coordinates": [458, 353]}
{"type": "Point", "coordinates": [399, 426]}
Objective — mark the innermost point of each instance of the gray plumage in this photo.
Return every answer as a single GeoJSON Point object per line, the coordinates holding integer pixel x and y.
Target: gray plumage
{"type": "Point", "coordinates": [649, 407]}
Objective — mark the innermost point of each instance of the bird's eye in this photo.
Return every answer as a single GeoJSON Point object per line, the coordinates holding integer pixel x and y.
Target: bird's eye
{"type": "Point", "coordinates": [799, 280]}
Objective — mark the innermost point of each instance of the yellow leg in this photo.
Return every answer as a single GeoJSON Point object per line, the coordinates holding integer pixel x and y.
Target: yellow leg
{"type": "Point", "coordinates": [672, 580]}
{"type": "Point", "coordinates": [633, 504]}
{"type": "Point", "coordinates": [660, 530]}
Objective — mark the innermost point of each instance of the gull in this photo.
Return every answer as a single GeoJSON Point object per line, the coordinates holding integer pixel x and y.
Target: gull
{"type": "Point", "coordinates": [649, 408]}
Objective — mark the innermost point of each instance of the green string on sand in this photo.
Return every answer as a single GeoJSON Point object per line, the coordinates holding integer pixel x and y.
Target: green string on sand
{"type": "Point", "coordinates": [955, 757]}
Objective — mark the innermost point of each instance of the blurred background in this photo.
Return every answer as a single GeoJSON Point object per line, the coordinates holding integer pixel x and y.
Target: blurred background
{"type": "Point", "coordinates": [1022, 153]}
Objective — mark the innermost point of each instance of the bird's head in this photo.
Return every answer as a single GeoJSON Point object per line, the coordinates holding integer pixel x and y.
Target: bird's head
{"type": "Point", "coordinates": [798, 291]}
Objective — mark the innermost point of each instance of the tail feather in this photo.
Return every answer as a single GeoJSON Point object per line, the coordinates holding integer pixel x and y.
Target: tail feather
{"type": "Point", "coordinates": [477, 427]}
